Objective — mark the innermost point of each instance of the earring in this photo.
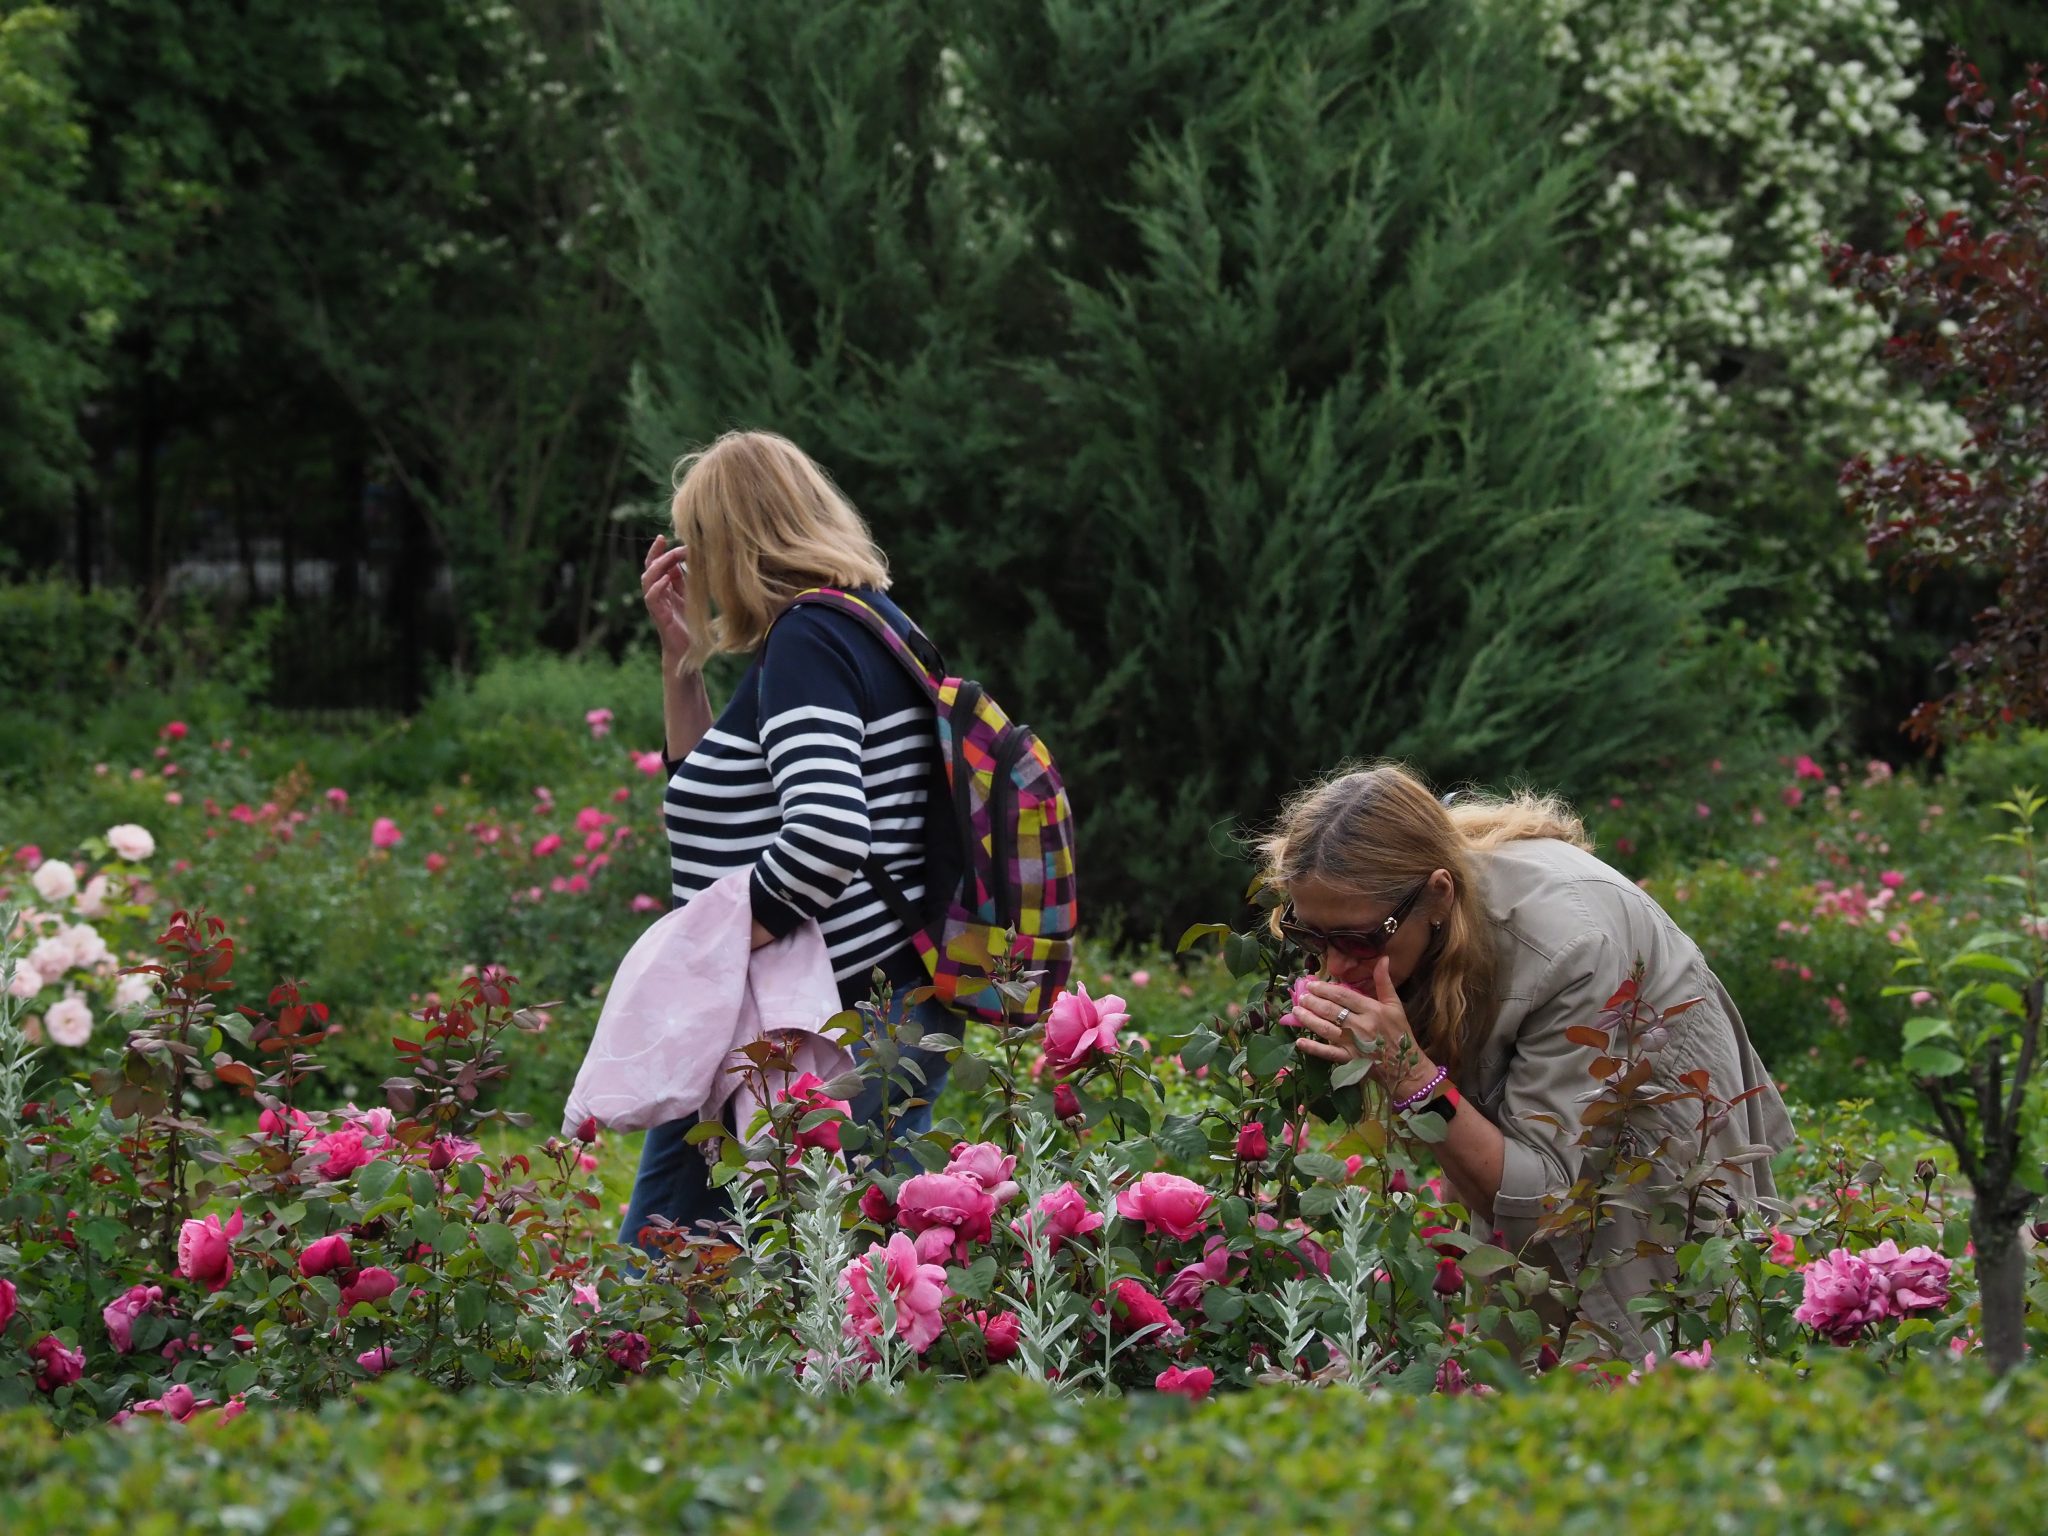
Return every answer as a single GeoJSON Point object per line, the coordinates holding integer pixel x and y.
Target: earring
{"type": "Point", "coordinates": [1436, 925]}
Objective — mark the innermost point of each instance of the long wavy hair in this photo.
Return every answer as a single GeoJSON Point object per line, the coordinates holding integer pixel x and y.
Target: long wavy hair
{"type": "Point", "coordinates": [762, 522]}
{"type": "Point", "coordinates": [1377, 831]}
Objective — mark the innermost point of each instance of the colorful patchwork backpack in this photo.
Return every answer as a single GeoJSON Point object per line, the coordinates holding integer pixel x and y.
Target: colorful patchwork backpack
{"type": "Point", "coordinates": [1014, 865]}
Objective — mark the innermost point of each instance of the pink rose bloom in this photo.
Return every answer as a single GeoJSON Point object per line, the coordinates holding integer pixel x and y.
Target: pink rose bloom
{"type": "Point", "coordinates": [1066, 1104]}
{"type": "Point", "coordinates": [947, 1211]}
{"type": "Point", "coordinates": [7, 1303]}
{"type": "Point", "coordinates": [1065, 1213]}
{"type": "Point", "coordinates": [1184, 1290]}
{"type": "Point", "coordinates": [1166, 1202]}
{"type": "Point", "coordinates": [444, 1150]}
{"type": "Point", "coordinates": [591, 819]}
{"type": "Point", "coordinates": [1193, 1384]}
{"type": "Point", "coordinates": [584, 1295]}
{"type": "Point", "coordinates": [1697, 1359]}
{"type": "Point", "coordinates": [384, 833]}
{"type": "Point", "coordinates": [174, 730]}
{"type": "Point", "coordinates": [205, 1253]}
{"type": "Point", "coordinates": [55, 881]}
{"type": "Point", "coordinates": [984, 1162]}
{"type": "Point", "coordinates": [375, 1361]}
{"type": "Point", "coordinates": [338, 798]}
{"type": "Point", "coordinates": [55, 1365]}
{"type": "Point", "coordinates": [1784, 1248]}
{"type": "Point", "coordinates": [648, 763]}
{"type": "Point", "coordinates": [552, 843]}
{"type": "Point", "coordinates": [344, 1151]}
{"type": "Point", "coordinates": [1792, 795]}
{"type": "Point", "coordinates": [916, 1288]}
{"type": "Point", "coordinates": [599, 721]}
{"type": "Point", "coordinates": [1251, 1142]}
{"type": "Point", "coordinates": [1080, 1028]}
{"type": "Point", "coordinates": [178, 1404]}
{"type": "Point", "coordinates": [69, 1021]}
{"type": "Point", "coordinates": [1842, 1297]}
{"type": "Point", "coordinates": [1132, 1307]}
{"type": "Point", "coordinates": [372, 1284]}
{"type": "Point", "coordinates": [876, 1206]}
{"type": "Point", "coordinates": [1141, 978]}
{"type": "Point", "coordinates": [999, 1331]}
{"type": "Point", "coordinates": [26, 981]}
{"type": "Point", "coordinates": [119, 1314]}
{"type": "Point", "coordinates": [1805, 767]}
{"type": "Point", "coordinates": [326, 1254]}
{"type": "Point", "coordinates": [1891, 879]}
{"type": "Point", "coordinates": [436, 862]}
{"type": "Point", "coordinates": [1913, 1281]}
{"type": "Point", "coordinates": [646, 903]}
{"type": "Point", "coordinates": [809, 1091]}
{"type": "Point", "coordinates": [629, 1351]}
{"type": "Point", "coordinates": [271, 1123]}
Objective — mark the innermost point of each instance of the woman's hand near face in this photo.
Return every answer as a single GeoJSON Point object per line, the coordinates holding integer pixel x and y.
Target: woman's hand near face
{"type": "Point", "coordinates": [663, 585]}
{"type": "Point", "coordinates": [1345, 1023]}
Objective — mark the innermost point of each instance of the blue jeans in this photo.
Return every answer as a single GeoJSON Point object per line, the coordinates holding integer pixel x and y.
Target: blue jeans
{"type": "Point", "coordinates": [675, 1180]}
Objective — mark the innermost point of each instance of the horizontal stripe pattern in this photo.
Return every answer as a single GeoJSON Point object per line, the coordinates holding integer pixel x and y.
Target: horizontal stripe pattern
{"type": "Point", "coordinates": [838, 770]}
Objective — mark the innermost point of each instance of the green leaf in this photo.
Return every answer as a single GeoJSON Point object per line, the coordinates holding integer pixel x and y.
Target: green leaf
{"type": "Point", "coordinates": [1925, 1028]}
{"type": "Point", "coordinates": [971, 1073]}
{"type": "Point", "coordinates": [975, 1280]}
{"type": "Point", "coordinates": [1484, 1259]}
{"type": "Point", "coordinates": [1319, 1165]}
{"type": "Point", "coordinates": [1222, 1305]}
{"type": "Point", "coordinates": [421, 1183]}
{"type": "Point", "coordinates": [375, 1181]}
{"type": "Point", "coordinates": [1199, 1049]}
{"type": "Point", "coordinates": [1353, 1071]}
{"type": "Point", "coordinates": [1198, 933]}
{"type": "Point", "coordinates": [470, 1301]}
{"type": "Point", "coordinates": [703, 1131]}
{"type": "Point", "coordinates": [499, 1243]}
{"type": "Point", "coordinates": [1931, 1061]}
{"type": "Point", "coordinates": [2000, 994]}
{"type": "Point", "coordinates": [1244, 954]}
{"type": "Point", "coordinates": [1319, 1199]}
{"type": "Point", "coordinates": [1431, 1128]}
{"type": "Point", "coordinates": [1267, 1054]}
{"type": "Point", "coordinates": [1984, 960]}
{"type": "Point", "coordinates": [469, 1178]}
{"type": "Point", "coordinates": [1183, 1138]}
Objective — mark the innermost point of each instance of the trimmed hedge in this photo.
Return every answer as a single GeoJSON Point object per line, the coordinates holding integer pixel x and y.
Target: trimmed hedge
{"type": "Point", "coordinates": [1844, 1449]}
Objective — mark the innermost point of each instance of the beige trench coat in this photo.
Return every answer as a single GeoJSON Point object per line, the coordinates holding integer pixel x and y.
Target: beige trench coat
{"type": "Point", "coordinates": [1570, 929]}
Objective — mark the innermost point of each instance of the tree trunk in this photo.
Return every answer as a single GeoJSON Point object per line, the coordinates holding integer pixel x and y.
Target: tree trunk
{"type": "Point", "coordinates": [2001, 1282]}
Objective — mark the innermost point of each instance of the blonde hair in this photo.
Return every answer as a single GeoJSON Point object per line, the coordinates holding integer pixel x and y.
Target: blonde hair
{"type": "Point", "coordinates": [762, 523]}
{"type": "Point", "coordinates": [1376, 832]}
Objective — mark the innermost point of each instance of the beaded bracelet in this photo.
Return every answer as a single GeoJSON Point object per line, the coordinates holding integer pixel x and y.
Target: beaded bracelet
{"type": "Point", "coordinates": [1424, 1091]}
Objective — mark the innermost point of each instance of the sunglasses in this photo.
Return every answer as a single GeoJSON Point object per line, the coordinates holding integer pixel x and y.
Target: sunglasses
{"type": "Point", "coordinates": [1364, 945]}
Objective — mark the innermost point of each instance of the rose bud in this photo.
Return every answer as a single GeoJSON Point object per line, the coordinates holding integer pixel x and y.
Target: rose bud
{"type": "Point", "coordinates": [1449, 1278]}
{"type": "Point", "coordinates": [587, 1131]}
{"type": "Point", "coordinates": [877, 1206]}
{"type": "Point", "coordinates": [1251, 1142]}
{"type": "Point", "coordinates": [1065, 1102]}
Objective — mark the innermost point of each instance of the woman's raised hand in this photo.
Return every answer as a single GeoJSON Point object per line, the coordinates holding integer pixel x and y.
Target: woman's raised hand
{"type": "Point", "coordinates": [663, 583]}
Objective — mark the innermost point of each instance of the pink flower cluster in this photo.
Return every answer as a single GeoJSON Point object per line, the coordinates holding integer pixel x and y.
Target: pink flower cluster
{"type": "Point", "coordinates": [916, 1289]}
{"type": "Point", "coordinates": [1848, 1292]}
{"type": "Point", "coordinates": [951, 1210]}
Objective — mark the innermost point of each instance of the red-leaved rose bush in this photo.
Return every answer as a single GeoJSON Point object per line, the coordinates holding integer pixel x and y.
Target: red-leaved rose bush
{"type": "Point", "coordinates": [1091, 1208]}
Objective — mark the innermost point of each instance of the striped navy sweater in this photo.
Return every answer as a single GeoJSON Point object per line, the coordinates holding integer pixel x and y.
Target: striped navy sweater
{"type": "Point", "coordinates": [822, 758]}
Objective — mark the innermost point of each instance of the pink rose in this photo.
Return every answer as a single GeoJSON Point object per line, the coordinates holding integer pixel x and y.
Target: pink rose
{"type": "Point", "coordinates": [342, 1151]}
{"type": "Point", "coordinates": [384, 833]}
{"type": "Point", "coordinates": [174, 730]}
{"type": "Point", "coordinates": [646, 903]}
{"type": "Point", "coordinates": [1913, 1281]}
{"type": "Point", "coordinates": [1133, 1306]}
{"type": "Point", "coordinates": [1141, 978]}
{"type": "Point", "coordinates": [1065, 1213]}
{"type": "Point", "coordinates": [55, 1365]}
{"type": "Point", "coordinates": [271, 1123]}
{"type": "Point", "coordinates": [178, 1404]}
{"type": "Point", "coordinates": [328, 1253]}
{"type": "Point", "coordinates": [1784, 1248]}
{"type": "Point", "coordinates": [7, 1304]}
{"type": "Point", "coordinates": [376, 1361]}
{"type": "Point", "coordinates": [649, 763]}
{"type": "Point", "coordinates": [1697, 1359]}
{"type": "Point", "coordinates": [373, 1284]}
{"type": "Point", "coordinates": [1805, 767]}
{"type": "Point", "coordinates": [338, 798]}
{"type": "Point", "coordinates": [952, 1207]}
{"type": "Point", "coordinates": [1166, 1202]}
{"type": "Point", "coordinates": [1842, 1296]}
{"type": "Point", "coordinates": [1184, 1290]}
{"type": "Point", "coordinates": [917, 1290]}
{"type": "Point", "coordinates": [808, 1090]}
{"type": "Point", "coordinates": [877, 1206]}
{"type": "Point", "coordinates": [1193, 1384]}
{"type": "Point", "coordinates": [1080, 1028]}
{"type": "Point", "coordinates": [985, 1163]}
{"type": "Point", "coordinates": [1450, 1279]}
{"type": "Point", "coordinates": [599, 721]}
{"type": "Point", "coordinates": [584, 1295]}
{"type": "Point", "coordinates": [1066, 1104]}
{"type": "Point", "coordinates": [436, 862]}
{"type": "Point", "coordinates": [999, 1331]}
{"type": "Point", "coordinates": [131, 842]}
{"type": "Point", "coordinates": [205, 1254]}
{"type": "Point", "coordinates": [119, 1314]}
{"type": "Point", "coordinates": [1251, 1142]}
{"type": "Point", "coordinates": [552, 843]}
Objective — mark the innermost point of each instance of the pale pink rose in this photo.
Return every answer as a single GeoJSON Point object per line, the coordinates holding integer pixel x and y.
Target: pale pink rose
{"type": "Point", "coordinates": [178, 1404]}
{"type": "Point", "coordinates": [1166, 1202]}
{"type": "Point", "coordinates": [649, 763]}
{"type": "Point", "coordinates": [131, 842]}
{"type": "Point", "coordinates": [376, 1361]}
{"type": "Point", "coordinates": [947, 1203]}
{"type": "Point", "coordinates": [1192, 1384]}
{"type": "Point", "coordinates": [1842, 1296]}
{"type": "Point", "coordinates": [599, 721]}
{"type": "Point", "coordinates": [26, 981]}
{"type": "Point", "coordinates": [1913, 1281]}
{"type": "Point", "coordinates": [88, 948]}
{"type": "Point", "coordinates": [384, 833]}
{"type": "Point", "coordinates": [92, 901]}
{"type": "Point", "coordinates": [552, 843]}
{"type": "Point", "coordinates": [205, 1253]}
{"type": "Point", "coordinates": [52, 956]}
{"type": "Point", "coordinates": [119, 1314]}
{"type": "Point", "coordinates": [985, 1163]}
{"type": "Point", "coordinates": [584, 1295]}
{"type": "Point", "coordinates": [1697, 1359]}
{"type": "Point", "coordinates": [1141, 978]}
{"type": "Point", "coordinates": [1921, 998]}
{"type": "Point", "coordinates": [55, 1365]}
{"type": "Point", "coordinates": [917, 1290]}
{"type": "Point", "coordinates": [1065, 1213]}
{"type": "Point", "coordinates": [69, 1021]}
{"type": "Point", "coordinates": [646, 903]}
{"type": "Point", "coordinates": [55, 880]}
{"type": "Point", "coordinates": [1081, 1028]}
{"type": "Point", "coordinates": [377, 1121]}
{"type": "Point", "coordinates": [372, 1284]}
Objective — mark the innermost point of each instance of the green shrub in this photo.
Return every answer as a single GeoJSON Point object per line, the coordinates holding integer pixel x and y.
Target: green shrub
{"type": "Point", "coordinates": [1843, 1449]}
